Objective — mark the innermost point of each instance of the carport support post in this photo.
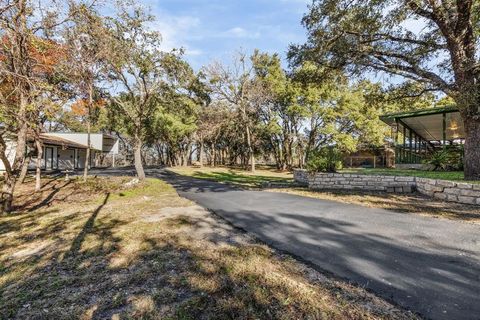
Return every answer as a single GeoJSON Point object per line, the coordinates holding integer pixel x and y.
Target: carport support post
{"type": "Point", "coordinates": [397, 150]}
{"type": "Point", "coordinates": [404, 144]}
{"type": "Point", "coordinates": [410, 146]}
{"type": "Point", "coordinates": [444, 131]}
{"type": "Point", "coordinates": [415, 147]}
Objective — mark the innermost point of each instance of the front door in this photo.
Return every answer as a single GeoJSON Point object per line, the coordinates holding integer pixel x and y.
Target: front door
{"type": "Point", "coordinates": [48, 158]}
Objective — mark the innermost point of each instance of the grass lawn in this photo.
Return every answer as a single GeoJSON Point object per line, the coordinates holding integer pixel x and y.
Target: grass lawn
{"type": "Point", "coordinates": [101, 250]}
{"type": "Point", "coordinates": [237, 176]}
{"type": "Point", "coordinates": [453, 176]}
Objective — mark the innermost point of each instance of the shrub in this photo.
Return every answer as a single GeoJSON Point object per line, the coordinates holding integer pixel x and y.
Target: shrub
{"type": "Point", "coordinates": [446, 160]}
{"type": "Point", "coordinates": [325, 160]}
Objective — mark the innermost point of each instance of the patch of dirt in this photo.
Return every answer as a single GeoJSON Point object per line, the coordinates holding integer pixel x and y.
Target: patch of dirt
{"type": "Point", "coordinates": [31, 250]}
{"type": "Point", "coordinates": [169, 212]}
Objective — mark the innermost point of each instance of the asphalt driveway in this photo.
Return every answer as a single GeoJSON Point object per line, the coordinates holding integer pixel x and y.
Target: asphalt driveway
{"type": "Point", "coordinates": [427, 265]}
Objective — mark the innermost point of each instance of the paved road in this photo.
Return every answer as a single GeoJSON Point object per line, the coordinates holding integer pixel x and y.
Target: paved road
{"type": "Point", "coordinates": [427, 265]}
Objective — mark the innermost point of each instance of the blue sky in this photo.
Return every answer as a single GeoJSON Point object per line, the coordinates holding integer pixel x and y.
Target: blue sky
{"type": "Point", "coordinates": [216, 29]}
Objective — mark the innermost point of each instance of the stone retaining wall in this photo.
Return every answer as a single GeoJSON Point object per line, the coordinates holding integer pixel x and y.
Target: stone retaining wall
{"type": "Point", "coordinates": [301, 176]}
{"type": "Point", "coordinates": [440, 189]}
{"type": "Point", "coordinates": [450, 191]}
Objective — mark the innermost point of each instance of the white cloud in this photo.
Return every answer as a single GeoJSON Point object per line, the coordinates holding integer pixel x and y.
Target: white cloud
{"type": "Point", "coordinates": [175, 31]}
{"type": "Point", "coordinates": [193, 52]}
{"type": "Point", "coordinates": [238, 32]}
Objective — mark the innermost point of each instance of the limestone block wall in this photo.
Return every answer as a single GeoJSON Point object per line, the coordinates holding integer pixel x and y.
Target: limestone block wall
{"type": "Point", "coordinates": [460, 192]}
{"type": "Point", "coordinates": [440, 189]}
{"type": "Point", "coordinates": [345, 181]}
{"type": "Point", "coordinates": [301, 176]}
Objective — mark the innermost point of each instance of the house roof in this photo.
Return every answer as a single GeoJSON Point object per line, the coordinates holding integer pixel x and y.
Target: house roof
{"type": "Point", "coordinates": [66, 133]}
{"type": "Point", "coordinates": [428, 123]}
{"type": "Point", "coordinates": [52, 140]}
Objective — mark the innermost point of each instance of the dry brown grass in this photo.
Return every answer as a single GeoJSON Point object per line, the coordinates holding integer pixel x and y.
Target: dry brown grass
{"type": "Point", "coordinates": [98, 250]}
{"type": "Point", "coordinates": [405, 203]}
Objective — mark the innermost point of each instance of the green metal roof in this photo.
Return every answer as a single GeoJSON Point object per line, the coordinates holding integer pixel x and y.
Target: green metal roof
{"type": "Point", "coordinates": [389, 118]}
{"type": "Point", "coordinates": [428, 123]}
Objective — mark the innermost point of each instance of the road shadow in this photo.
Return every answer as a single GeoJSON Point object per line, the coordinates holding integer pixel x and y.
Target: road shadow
{"type": "Point", "coordinates": [188, 184]}
{"type": "Point", "coordinates": [437, 280]}
{"type": "Point", "coordinates": [402, 258]}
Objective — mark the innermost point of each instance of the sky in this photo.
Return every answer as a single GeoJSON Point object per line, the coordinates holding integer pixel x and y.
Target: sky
{"type": "Point", "coordinates": [215, 29]}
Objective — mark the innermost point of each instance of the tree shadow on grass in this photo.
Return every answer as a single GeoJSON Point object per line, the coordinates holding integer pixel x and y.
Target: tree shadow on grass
{"type": "Point", "coordinates": [87, 228]}
{"type": "Point", "coordinates": [215, 181]}
{"type": "Point", "coordinates": [49, 198]}
{"type": "Point", "coordinates": [240, 179]}
{"type": "Point", "coordinates": [57, 273]}
{"type": "Point", "coordinates": [30, 201]}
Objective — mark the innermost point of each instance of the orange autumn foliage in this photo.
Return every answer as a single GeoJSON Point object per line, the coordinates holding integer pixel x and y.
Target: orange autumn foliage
{"type": "Point", "coordinates": [80, 107]}
{"type": "Point", "coordinates": [44, 55]}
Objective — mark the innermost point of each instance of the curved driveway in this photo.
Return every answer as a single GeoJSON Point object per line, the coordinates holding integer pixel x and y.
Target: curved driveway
{"type": "Point", "coordinates": [427, 265]}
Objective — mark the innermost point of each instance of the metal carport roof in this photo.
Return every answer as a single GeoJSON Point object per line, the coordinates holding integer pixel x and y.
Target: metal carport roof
{"type": "Point", "coordinates": [429, 123]}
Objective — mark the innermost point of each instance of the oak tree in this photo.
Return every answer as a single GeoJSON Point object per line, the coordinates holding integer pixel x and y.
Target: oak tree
{"type": "Point", "coordinates": [372, 35]}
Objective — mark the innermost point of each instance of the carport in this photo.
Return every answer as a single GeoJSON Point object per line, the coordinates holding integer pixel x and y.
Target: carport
{"type": "Point", "coordinates": [418, 133]}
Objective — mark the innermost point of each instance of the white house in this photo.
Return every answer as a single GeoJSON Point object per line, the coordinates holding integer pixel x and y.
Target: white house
{"type": "Point", "coordinates": [62, 151]}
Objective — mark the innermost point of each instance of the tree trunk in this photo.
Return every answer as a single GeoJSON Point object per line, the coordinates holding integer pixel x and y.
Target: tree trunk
{"type": "Point", "coordinates": [87, 156]}
{"type": "Point", "coordinates": [252, 162]}
{"type": "Point", "coordinates": [213, 155]}
{"type": "Point", "coordinates": [472, 149]}
{"type": "Point", "coordinates": [7, 193]}
{"type": "Point", "coordinates": [38, 170]}
{"type": "Point", "coordinates": [250, 149]}
{"type": "Point", "coordinates": [12, 174]}
{"type": "Point", "coordinates": [185, 155]}
{"type": "Point", "coordinates": [161, 159]}
{"type": "Point", "coordinates": [23, 172]}
{"type": "Point", "coordinates": [200, 157]}
{"type": "Point", "coordinates": [138, 158]}
{"type": "Point", "coordinates": [6, 206]}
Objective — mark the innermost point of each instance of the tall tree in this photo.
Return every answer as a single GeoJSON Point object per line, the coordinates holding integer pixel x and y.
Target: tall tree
{"type": "Point", "coordinates": [25, 30]}
{"type": "Point", "coordinates": [279, 110]}
{"type": "Point", "coordinates": [235, 86]}
{"type": "Point", "coordinates": [373, 35]}
{"type": "Point", "coordinates": [87, 50]}
{"type": "Point", "coordinates": [211, 120]}
{"type": "Point", "coordinates": [138, 71]}
{"type": "Point", "coordinates": [182, 98]}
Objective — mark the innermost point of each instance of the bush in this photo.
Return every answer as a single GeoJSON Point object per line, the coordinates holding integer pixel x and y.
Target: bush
{"type": "Point", "coordinates": [446, 160]}
{"type": "Point", "coordinates": [325, 160]}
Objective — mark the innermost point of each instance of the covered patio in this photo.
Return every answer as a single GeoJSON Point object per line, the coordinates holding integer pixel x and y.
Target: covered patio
{"type": "Point", "coordinates": [416, 134]}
